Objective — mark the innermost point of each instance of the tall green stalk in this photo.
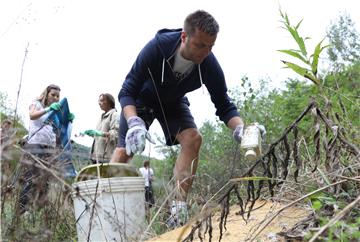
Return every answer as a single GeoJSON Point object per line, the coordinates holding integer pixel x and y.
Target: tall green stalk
{"type": "Point", "coordinates": [309, 67]}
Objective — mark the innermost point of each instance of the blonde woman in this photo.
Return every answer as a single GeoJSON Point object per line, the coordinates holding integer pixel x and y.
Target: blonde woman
{"type": "Point", "coordinates": [41, 142]}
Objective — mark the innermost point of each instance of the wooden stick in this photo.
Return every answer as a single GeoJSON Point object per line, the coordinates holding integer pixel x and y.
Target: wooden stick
{"type": "Point", "coordinates": [293, 203]}
{"type": "Point", "coordinates": [19, 89]}
{"type": "Point", "coordinates": [349, 178]}
{"type": "Point", "coordinates": [335, 218]}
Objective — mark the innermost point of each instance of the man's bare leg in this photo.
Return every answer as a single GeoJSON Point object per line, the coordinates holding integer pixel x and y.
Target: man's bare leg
{"type": "Point", "coordinates": [119, 156]}
{"type": "Point", "coordinates": [187, 161]}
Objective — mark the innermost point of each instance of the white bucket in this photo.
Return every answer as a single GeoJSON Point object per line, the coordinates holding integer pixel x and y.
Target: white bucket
{"type": "Point", "coordinates": [116, 213]}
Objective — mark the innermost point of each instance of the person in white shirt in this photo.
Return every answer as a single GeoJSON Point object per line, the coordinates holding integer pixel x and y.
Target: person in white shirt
{"type": "Point", "coordinates": [148, 174]}
{"type": "Point", "coordinates": [41, 143]}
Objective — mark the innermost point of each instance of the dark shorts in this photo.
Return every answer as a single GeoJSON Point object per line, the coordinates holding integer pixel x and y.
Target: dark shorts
{"type": "Point", "coordinates": [178, 118]}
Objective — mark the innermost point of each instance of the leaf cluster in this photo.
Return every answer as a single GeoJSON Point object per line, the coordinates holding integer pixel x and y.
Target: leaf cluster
{"type": "Point", "coordinates": [309, 70]}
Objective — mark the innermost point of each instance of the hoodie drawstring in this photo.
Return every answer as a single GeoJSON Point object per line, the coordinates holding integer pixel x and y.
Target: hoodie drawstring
{"type": "Point", "coordinates": [201, 81]}
{"type": "Point", "coordinates": [162, 71]}
{"type": "Point", "coordinates": [160, 103]}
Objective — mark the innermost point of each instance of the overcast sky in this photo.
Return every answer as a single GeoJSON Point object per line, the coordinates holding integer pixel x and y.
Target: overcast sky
{"type": "Point", "coordinates": [87, 46]}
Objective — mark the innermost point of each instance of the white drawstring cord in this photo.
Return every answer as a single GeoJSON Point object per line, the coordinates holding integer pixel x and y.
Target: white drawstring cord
{"type": "Point", "coordinates": [162, 71]}
{"type": "Point", "coordinates": [201, 81]}
{"type": "Point", "coordinates": [160, 103]}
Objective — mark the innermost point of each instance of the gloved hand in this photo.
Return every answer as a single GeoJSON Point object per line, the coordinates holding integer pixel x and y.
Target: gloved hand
{"type": "Point", "coordinates": [71, 117]}
{"type": "Point", "coordinates": [262, 130]}
{"type": "Point", "coordinates": [238, 132]}
{"type": "Point", "coordinates": [136, 136]}
{"type": "Point", "coordinates": [54, 106]}
{"type": "Point", "coordinates": [93, 133]}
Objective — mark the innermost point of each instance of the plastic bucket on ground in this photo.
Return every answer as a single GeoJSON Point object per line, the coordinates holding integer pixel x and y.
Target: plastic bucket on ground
{"type": "Point", "coordinates": [112, 208]}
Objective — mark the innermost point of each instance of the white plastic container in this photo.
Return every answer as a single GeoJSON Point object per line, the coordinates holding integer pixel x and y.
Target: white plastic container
{"type": "Point", "coordinates": [251, 142]}
{"type": "Point", "coordinates": [110, 209]}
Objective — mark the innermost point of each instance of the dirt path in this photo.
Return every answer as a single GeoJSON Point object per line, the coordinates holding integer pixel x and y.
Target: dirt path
{"type": "Point", "coordinates": [238, 230]}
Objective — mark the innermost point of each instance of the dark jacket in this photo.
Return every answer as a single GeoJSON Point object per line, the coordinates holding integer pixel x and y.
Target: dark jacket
{"type": "Point", "coordinates": [151, 76]}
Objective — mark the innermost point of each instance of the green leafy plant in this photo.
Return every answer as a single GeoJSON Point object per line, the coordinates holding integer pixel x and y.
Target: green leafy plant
{"type": "Point", "coordinates": [309, 70]}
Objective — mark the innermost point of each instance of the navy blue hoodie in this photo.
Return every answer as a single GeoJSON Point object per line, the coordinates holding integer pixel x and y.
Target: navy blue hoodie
{"type": "Point", "coordinates": [151, 78]}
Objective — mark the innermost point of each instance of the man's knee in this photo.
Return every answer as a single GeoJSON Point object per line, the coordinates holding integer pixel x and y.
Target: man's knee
{"type": "Point", "coordinates": [191, 138]}
{"type": "Point", "coordinates": [119, 156]}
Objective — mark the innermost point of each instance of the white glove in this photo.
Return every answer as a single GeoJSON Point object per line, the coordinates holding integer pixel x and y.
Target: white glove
{"type": "Point", "coordinates": [238, 133]}
{"type": "Point", "coordinates": [262, 130]}
{"type": "Point", "coordinates": [136, 136]}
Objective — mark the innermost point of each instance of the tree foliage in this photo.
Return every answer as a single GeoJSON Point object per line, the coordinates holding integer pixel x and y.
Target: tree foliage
{"type": "Point", "coordinates": [344, 40]}
{"type": "Point", "coordinates": [7, 112]}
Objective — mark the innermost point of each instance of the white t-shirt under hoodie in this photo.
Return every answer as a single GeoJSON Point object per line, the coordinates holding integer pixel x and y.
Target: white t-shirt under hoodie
{"type": "Point", "coordinates": [182, 67]}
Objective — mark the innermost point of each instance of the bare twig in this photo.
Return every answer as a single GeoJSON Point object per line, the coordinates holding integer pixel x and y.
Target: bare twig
{"type": "Point", "coordinates": [285, 133]}
{"type": "Point", "coordinates": [42, 166]}
{"type": "Point", "coordinates": [349, 178]}
{"type": "Point", "coordinates": [351, 146]}
{"type": "Point", "coordinates": [293, 203]}
{"type": "Point", "coordinates": [160, 208]}
{"type": "Point", "coordinates": [19, 89]}
{"type": "Point", "coordinates": [336, 218]}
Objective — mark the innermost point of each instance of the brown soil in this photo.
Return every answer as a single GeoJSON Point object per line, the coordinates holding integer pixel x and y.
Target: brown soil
{"type": "Point", "coordinates": [238, 230]}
